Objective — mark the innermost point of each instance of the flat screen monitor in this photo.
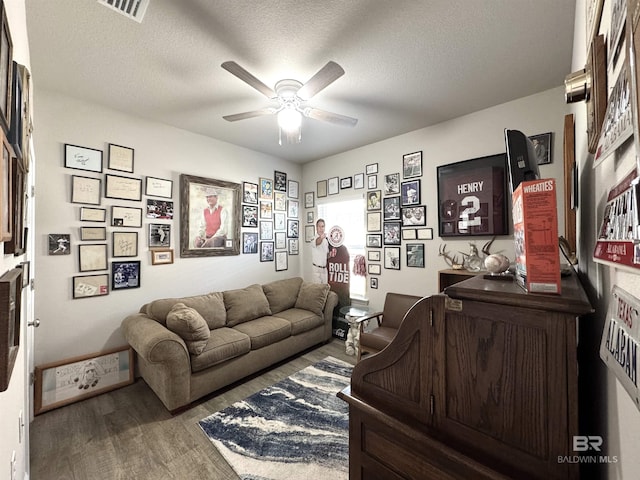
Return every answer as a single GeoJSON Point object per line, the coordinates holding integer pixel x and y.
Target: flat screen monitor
{"type": "Point", "coordinates": [521, 158]}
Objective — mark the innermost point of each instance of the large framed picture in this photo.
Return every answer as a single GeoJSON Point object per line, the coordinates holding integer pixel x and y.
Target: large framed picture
{"type": "Point", "coordinates": [120, 158]}
{"type": "Point", "coordinates": [125, 275]}
{"type": "Point", "coordinates": [123, 188]}
{"type": "Point", "coordinates": [473, 197]}
{"type": "Point", "coordinates": [210, 217]}
{"type": "Point", "coordinates": [85, 190]}
{"type": "Point", "coordinates": [6, 67]}
{"type": "Point", "coordinates": [17, 243]}
{"type": "Point", "coordinates": [125, 244]}
{"type": "Point", "coordinates": [158, 187]}
{"type": "Point", "coordinates": [82, 158]}
{"type": "Point", "coordinates": [86, 286]}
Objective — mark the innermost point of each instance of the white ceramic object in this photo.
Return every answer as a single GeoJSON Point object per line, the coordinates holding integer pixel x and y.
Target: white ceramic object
{"type": "Point", "coordinates": [496, 263]}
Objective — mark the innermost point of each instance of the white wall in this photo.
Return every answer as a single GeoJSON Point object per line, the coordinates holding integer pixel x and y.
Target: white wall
{"type": "Point", "coordinates": [471, 136]}
{"type": "Point", "coordinates": [82, 326]}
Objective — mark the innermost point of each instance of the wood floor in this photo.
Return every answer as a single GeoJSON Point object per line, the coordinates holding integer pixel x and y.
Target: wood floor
{"type": "Point", "coordinates": [128, 434]}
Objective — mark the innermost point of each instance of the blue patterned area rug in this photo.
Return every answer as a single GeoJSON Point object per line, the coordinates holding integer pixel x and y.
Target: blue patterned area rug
{"type": "Point", "coordinates": [294, 430]}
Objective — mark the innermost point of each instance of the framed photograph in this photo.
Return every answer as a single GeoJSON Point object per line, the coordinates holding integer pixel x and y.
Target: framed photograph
{"type": "Point", "coordinates": [309, 233]}
{"type": "Point", "coordinates": [372, 182]}
{"type": "Point", "coordinates": [279, 181]}
{"type": "Point", "coordinates": [249, 242]}
{"type": "Point", "coordinates": [125, 275]}
{"type": "Point", "coordinates": [391, 232]}
{"type": "Point", "coordinates": [392, 184]}
{"type": "Point", "coordinates": [18, 112]}
{"type": "Point", "coordinates": [250, 193]}
{"type": "Point", "coordinates": [82, 158]}
{"type": "Point", "coordinates": [409, 234]}
{"type": "Point", "coordinates": [345, 183]}
{"type": "Point", "coordinates": [281, 240]}
{"type": "Point", "coordinates": [374, 221]}
{"type": "Point", "coordinates": [85, 190]}
{"type": "Point", "coordinates": [59, 243]}
{"type": "Point", "coordinates": [371, 168]}
{"type": "Point", "coordinates": [124, 244]}
{"type": "Point", "coordinates": [374, 200]}
{"type": "Point", "coordinates": [292, 189]}
{"type": "Point", "coordinates": [411, 192]}
{"type": "Point", "coordinates": [281, 261]}
{"type": "Point", "coordinates": [374, 240]}
{"type": "Point", "coordinates": [292, 208]}
{"type": "Point", "coordinates": [279, 221]}
{"type": "Point", "coordinates": [92, 257]}
{"type": "Point", "coordinates": [425, 233]}
{"type": "Point", "coordinates": [17, 243]}
{"type": "Point", "coordinates": [6, 224]}
{"type": "Point", "coordinates": [374, 269]}
{"type": "Point", "coordinates": [332, 186]}
{"type": "Point", "coordinates": [123, 188]}
{"type": "Point", "coordinates": [391, 208]}
{"type": "Point", "coordinates": [294, 246]}
{"type": "Point", "coordinates": [321, 188]}
{"type": "Point", "coordinates": [481, 206]}
{"type": "Point", "coordinates": [358, 181]}
{"type": "Point", "coordinates": [249, 215]}
{"type": "Point", "coordinates": [161, 256]}
{"type": "Point", "coordinates": [279, 201]}
{"type": "Point", "coordinates": [266, 251]}
{"type": "Point", "coordinates": [86, 286]}
{"type": "Point", "coordinates": [392, 258]}
{"type": "Point", "coordinates": [61, 383]}
{"type": "Point", "coordinates": [414, 216]}
{"type": "Point", "coordinates": [543, 147]}
{"type": "Point", "coordinates": [310, 216]}
{"type": "Point", "coordinates": [266, 230]}
{"type": "Point", "coordinates": [126, 217]}
{"type": "Point", "coordinates": [120, 158]}
{"type": "Point", "coordinates": [93, 233]}
{"type": "Point", "coordinates": [415, 255]}
{"type": "Point", "coordinates": [309, 201]}
{"type": "Point", "coordinates": [158, 187]}
{"type": "Point", "coordinates": [373, 255]}
{"type": "Point", "coordinates": [88, 214]}
{"type": "Point", "coordinates": [412, 165]}
{"type": "Point", "coordinates": [6, 71]}
{"type": "Point", "coordinates": [293, 228]}
{"type": "Point", "coordinates": [26, 275]}
{"type": "Point", "coordinates": [266, 189]}
{"type": "Point", "coordinates": [210, 217]}
{"type": "Point", "coordinates": [266, 210]}
{"type": "Point", "coordinates": [159, 235]}
{"type": "Point", "coordinates": [373, 282]}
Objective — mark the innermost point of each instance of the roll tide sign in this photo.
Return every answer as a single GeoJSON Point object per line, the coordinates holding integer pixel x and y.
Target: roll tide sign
{"type": "Point", "coordinates": [620, 339]}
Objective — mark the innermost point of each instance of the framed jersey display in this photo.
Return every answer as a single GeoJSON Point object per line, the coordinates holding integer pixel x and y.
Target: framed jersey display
{"type": "Point", "coordinates": [473, 197]}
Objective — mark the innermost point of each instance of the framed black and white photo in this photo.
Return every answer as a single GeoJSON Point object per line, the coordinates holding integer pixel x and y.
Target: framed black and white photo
{"type": "Point", "coordinates": [266, 251]}
{"type": "Point", "coordinates": [158, 187]}
{"type": "Point", "coordinates": [85, 190]}
{"type": "Point", "coordinates": [374, 221]}
{"type": "Point", "coordinates": [161, 256]}
{"type": "Point", "coordinates": [279, 201]}
{"type": "Point", "coordinates": [415, 255]}
{"type": "Point", "coordinates": [92, 257]}
{"type": "Point", "coordinates": [373, 255]}
{"type": "Point", "coordinates": [86, 286]}
{"type": "Point", "coordinates": [410, 192]}
{"type": "Point", "coordinates": [345, 183]}
{"type": "Point", "coordinates": [373, 282]}
{"type": "Point", "coordinates": [279, 181]}
{"type": "Point", "coordinates": [543, 147]}
{"type": "Point", "coordinates": [374, 269]}
{"type": "Point", "coordinates": [294, 246]}
{"type": "Point", "coordinates": [123, 188]}
{"type": "Point", "coordinates": [310, 218]}
{"type": "Point", "coordinates": [358, 181]}
{"type": "Point", "coordinates": [372, 182]}
{"type": "Point", "coordinates": [392, 184]}
{"type": "Point", "coordinates": [125, 244]}
{"type": "Point", "coordinates": [333, 186]}
{"type": "Point", "coordinates": [293, 228]}
{"type": "Point", "coordinates": [120, 158]}
{"type": "Point", "coordinates": [391, 208]}
{"type": "Point", "coordinates": [309, 233]}
{"type": "Point", "coordinates": [126, 217]}
{"type": "Point", "coordinates": [392, 258]}
{"type": "Point", "coordinates": [249, 242]}
{"type": "Point", "coordinates": [250, 193]}
{"type": "Point", "coordinates": [391, 232]}
{"type": "Point", "coordinates": [412, 165]}
{"type": "Point", "coordinates": [292, 208]}
{"type": "Point", "coordinates": [93, 233]}
{"type": "Point", "coordinates": [266, 189]}
{"type": "Point", "coordinates": [88, 214]}
{"type": "Point", "coordinates": [159, 235]}
{"type": "Point", "coordinates": [281, 240]}
{"type": "Point", "coordinates": [125, 275]}
{"type": "Point", "coordinates": [59, 243]}
{"type": "Point", "coordinates": [249, 216]}
{"type": "Point", "coordinates": [292, 189]}
{"type": "Point", "coordinates": [414, 216]}
{"type": "Point", "coordinates": [82, 158]}
{"type": "Point", "coordinates": [374, 200]}
{"type": "Point", "coordinates": [371, 168]}
{"type": "Point", "coordinates": [281, 261]}
{"type": "Point", "coordinates": [309, 200]}
{"type": "Point", "coordinates": [374, 240]}
{"type": "Point", "coordinates": [266, 230]}
{"type": "Point", "coordinates": [321, 187]}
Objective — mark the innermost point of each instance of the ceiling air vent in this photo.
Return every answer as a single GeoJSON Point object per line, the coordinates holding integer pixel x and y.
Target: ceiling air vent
{"type": "Point", "coordinates": [133, 9]}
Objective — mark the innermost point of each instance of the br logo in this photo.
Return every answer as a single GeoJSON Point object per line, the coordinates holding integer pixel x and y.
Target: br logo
{"type": "Point", "coordinates": [584, 443]}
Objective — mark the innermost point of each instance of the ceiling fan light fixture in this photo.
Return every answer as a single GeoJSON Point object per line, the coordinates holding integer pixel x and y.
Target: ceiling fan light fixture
{"type": "Point", "coordinates": [289, 119]}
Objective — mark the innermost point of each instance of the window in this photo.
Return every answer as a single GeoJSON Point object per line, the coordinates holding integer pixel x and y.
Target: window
{"type": "Point", "coordinates": [350, 215]}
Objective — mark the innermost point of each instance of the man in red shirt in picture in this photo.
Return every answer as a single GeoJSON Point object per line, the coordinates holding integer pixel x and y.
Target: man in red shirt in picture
{"type": "Point", "coordinates": [213, 229]}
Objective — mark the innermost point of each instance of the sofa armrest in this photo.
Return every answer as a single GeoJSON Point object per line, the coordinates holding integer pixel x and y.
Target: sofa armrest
{"type": "Point", "coordinates": [153, 341]}
{"type": "Point", "coordinates": [329, 307]}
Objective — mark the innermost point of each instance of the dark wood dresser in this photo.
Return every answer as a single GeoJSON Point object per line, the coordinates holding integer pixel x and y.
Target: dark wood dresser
{"type": "Point", "coordinates": [480, 383]}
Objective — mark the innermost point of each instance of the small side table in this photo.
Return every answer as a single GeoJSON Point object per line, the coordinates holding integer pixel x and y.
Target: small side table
{"type": "Point", "coordinates": [351, 314]}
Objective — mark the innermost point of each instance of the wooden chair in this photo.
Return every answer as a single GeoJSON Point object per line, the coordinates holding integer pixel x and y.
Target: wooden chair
{"type": "Point", "coordinates": [396, 306]}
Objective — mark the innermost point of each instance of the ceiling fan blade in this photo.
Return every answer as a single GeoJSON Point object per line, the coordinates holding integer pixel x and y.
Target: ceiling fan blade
{"type": "Point", "coordinates": [325, 76]}
{"type": "Point", "coordinates": [245, 115]}
{"type": "Point", "coordinates": [330, 117]}
{"type": "Point", "coordinates": [242, 74]}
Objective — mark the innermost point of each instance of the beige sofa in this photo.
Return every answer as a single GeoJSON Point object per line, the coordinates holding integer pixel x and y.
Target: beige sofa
{"type": "Point", "coordinates": [189, 347]}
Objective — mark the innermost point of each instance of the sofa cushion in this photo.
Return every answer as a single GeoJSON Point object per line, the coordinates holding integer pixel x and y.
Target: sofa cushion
{"type": "Point", "coordinates": [224, 344]}
{"type": "Point", "coordinates": [264, 331]}
{"type": "Point", "coordinates": [190, 326]}
{"type": "Point", "coordinates": [312, 297]}
{"type": "Point", "coordinates": [245, 304]}
{"type": "Point", "coordinates": [282, 294]}
{"type": "Point", "coordinates": [301, 320]}
{"type": "Point", "coordinates": [210, 306]}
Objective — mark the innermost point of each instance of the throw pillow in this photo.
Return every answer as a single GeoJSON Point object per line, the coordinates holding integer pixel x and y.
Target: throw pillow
{"type": "Point", "coordinates": [312, 297]}
{"type": "Point", "coordinates": [245, 304]}
{"type": "Point", "coordinates": [210, 306]}
{"type": "Point", "coordinates": [282, 294]}
{"type": "Point", "coordinates": [190, 326]}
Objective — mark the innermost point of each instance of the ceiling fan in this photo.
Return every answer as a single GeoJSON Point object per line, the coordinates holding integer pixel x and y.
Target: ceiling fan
{"type": "Point", "coordinates": [291, 96]}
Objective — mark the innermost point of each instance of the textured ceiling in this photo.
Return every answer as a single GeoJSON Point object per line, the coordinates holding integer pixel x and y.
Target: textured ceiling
{"type": "Point", "coordinates": [409, 63]}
